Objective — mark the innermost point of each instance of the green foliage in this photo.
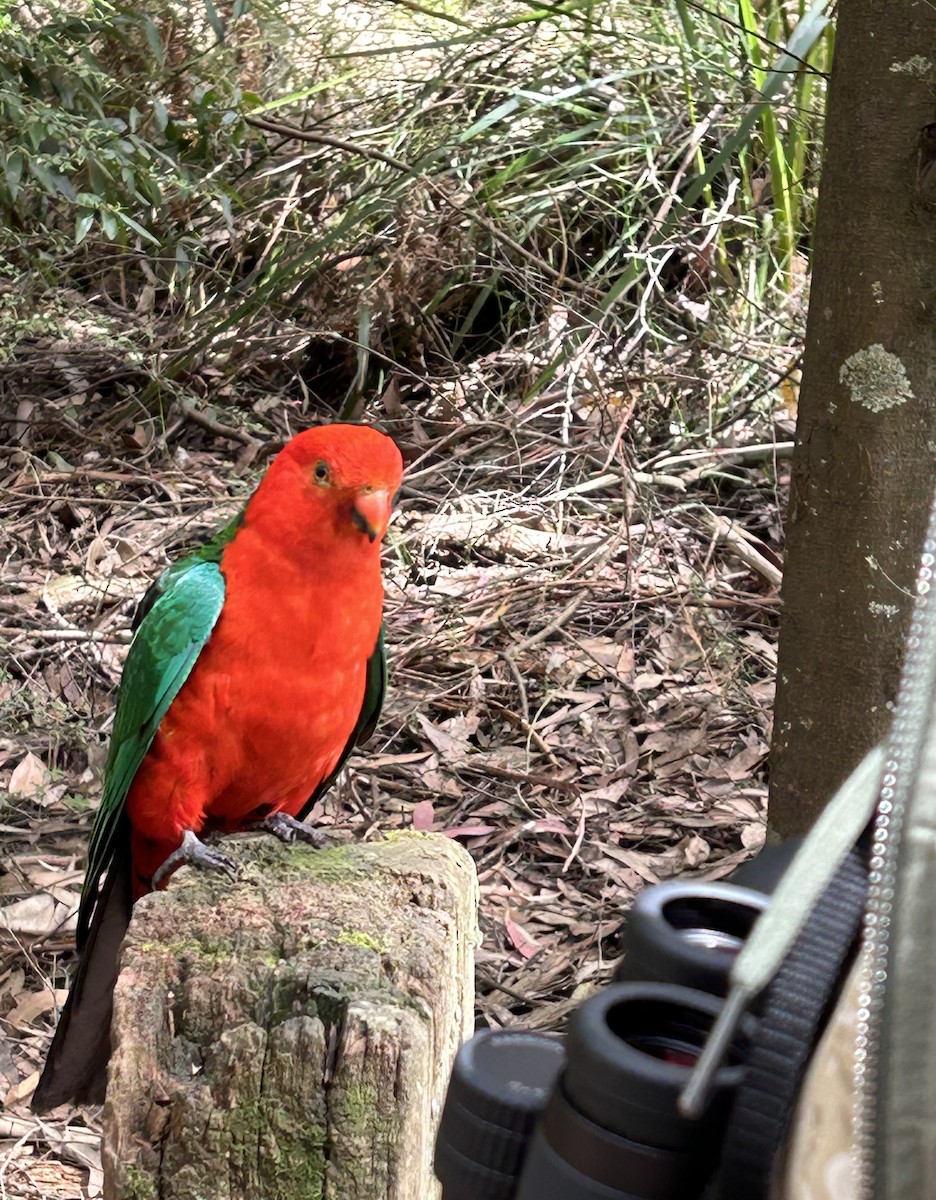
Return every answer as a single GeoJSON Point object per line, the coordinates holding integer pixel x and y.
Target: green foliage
{"type": "Point", "coordinates": [783, 53]}
{"type": "Point", "coordinates": [421, 186]}
{"type": "Point", "coordinates": [93, 140]}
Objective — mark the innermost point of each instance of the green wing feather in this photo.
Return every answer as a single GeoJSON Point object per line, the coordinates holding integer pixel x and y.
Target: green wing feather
{"type": "Point", "coordinates": [375, 689]}
{"type": "Point", "coordinates": [179, 613]}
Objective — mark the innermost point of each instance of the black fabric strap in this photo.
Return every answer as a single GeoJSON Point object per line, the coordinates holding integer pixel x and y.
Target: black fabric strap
{"type": "Point", "coordinates": [791, 1017]}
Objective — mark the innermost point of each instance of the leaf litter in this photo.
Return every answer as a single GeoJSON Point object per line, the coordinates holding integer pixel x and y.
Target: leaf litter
{"type": "Point", "coordinates": [582, 651]}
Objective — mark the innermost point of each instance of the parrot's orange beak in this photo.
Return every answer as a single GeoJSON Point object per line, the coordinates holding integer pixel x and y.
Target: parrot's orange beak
{"type": "Point", "coordinates": [371, 513]}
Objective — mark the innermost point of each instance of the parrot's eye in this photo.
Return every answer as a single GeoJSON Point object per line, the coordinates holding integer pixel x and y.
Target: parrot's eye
{"type": "Point", "coordinates": [321, 472]}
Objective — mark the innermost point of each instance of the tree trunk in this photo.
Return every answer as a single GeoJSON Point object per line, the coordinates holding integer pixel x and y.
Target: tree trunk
{"type": "Point", "coordinates": [863, 467]}
{"type": "Point", "coordinates": [290, 1037]}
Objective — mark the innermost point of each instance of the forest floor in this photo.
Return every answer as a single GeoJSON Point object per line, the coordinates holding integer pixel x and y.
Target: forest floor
{"type": "Point", "coordinates": [581, 630]}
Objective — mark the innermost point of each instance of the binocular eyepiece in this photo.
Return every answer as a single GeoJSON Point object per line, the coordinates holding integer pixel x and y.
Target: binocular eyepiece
{"type": "Point", "coordinates": [530, 1116]}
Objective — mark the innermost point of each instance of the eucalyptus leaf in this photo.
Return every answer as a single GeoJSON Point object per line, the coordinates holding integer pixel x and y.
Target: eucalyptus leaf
{"type": "Point", "coordinates": [84, 224]}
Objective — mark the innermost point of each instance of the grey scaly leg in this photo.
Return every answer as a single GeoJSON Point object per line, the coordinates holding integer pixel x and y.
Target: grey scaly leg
{"type": "Point", "coordinates": [198, 854]}
{"type": "Point", "coordinates": [288, 829]}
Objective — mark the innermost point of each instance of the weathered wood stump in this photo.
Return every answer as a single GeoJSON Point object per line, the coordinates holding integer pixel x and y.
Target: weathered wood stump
{"type": "Point", "coordinates": [290, 1037]}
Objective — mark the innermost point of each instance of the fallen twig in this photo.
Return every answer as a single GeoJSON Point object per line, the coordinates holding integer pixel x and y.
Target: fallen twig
{"type": "Point", "coordinates": [728, 532]}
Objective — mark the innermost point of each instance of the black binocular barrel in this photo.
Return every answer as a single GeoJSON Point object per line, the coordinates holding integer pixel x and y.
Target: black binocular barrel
{"type": "Point", "coordinates": [611, 1129]}
{"type": "Point", "coordinates": [528, 1117]}
{"type": "Point", "coordinates": [501, 1081]}
{"type": "Point", "coordinates": [688, 933]}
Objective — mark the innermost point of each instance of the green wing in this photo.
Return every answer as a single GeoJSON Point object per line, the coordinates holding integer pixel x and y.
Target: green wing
{"type": "Point", "coordinates": [375, 689]}
{"type": "Point", "coordinates": [211, 552]}
{"type": "Point", "coordinates": [178, 614]}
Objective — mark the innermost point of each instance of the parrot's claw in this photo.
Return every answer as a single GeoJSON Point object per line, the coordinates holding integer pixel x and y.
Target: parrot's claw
{"type": "Point", "coordinates": [199, 855]}
{"type": "Point", "coordinates": [288, 829]}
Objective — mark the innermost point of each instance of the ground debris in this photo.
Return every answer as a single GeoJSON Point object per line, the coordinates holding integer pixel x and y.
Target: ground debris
{"type": "Point", "coordinates": [581, 675]}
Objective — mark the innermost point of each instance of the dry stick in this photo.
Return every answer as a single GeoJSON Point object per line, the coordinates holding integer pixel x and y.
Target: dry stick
{"type": "Point", "coordinates": [725, 531]}
{"type": "Point", "coordinates": [723, 602]}
{"type": "Point", "coordinates": [65, 635]}
{"type": "Point", "coordinates": [65, 1143]}
{"type": "Point", "coordinates": [509, 659]}
{"type": "Point", "coordinates": [588, 556]}
{"type": "Point", "coordinates": [731, 454]}
{"type": "Point", "coordinates": [672, 195]}
{"type": "Point", "coordinates": [70, 477]}
{"type": "Point", "coordinates": [523, 723]}
{"type": "Point", "coordinates": [443, 443]}
{"type": "Point", "coordinates": [548, 630]}
{"type": "Point", "coordinates": [579, 837]}
{"type": "Point", "coordinates": [622, 425]}
{"type": "Point", "coordinates": [490, 981]}
{"type": "Point", "coordinates": [323, 139]}
{"type": "Point", "coordinates": [591, 556]}
{"type": "Point", "coordinates": [535, 777]}
{"type": "Point", "coordinates": [218, 428]}
{"type": "Point", "coordinates": [290, 205]}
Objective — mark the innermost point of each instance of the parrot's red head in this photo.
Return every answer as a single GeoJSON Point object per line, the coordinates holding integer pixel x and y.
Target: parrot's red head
{"type": "Point", "coordinates": [340, 477]}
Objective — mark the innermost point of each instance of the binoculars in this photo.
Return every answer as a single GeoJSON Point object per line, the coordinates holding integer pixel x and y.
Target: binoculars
{"type": "Point", "coordinates": [593, 1116]}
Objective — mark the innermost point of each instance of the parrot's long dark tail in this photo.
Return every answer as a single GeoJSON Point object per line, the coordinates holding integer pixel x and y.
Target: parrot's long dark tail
{"type": "Point", "coordinates": [76, 1065]}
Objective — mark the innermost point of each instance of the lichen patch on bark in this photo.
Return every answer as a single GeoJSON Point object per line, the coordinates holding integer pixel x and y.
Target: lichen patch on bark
{"type": "Point", "coordinates": [875, 378]}
{"type": "Point", "coordinates": [916, 66]}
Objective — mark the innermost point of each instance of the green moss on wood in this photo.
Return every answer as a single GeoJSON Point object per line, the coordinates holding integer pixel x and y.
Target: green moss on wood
{"type": "Point", "coordinates": [357, 937]}
{"type": "Point", "coordinates": [139, 1184]}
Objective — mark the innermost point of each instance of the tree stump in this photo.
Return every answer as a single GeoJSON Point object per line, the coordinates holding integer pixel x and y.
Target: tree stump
{"type": "Point", "coordinates": [290, 1037]}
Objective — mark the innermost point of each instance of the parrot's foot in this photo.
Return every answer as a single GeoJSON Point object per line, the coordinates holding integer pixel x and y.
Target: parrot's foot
{"type": "Point", "coordinates": [198, 854]}
{"type": "Point", "coordinates": [288, 829]}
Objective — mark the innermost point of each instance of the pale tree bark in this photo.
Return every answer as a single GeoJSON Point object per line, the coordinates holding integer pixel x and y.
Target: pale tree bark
{"type": "Point", "coordinates": [863, 470]}
{"type": "Point", "coordinates": [290, 1037]}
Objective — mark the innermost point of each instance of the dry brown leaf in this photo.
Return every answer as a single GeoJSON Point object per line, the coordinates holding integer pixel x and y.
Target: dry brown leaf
{"type": "Point", "coordinates": [522, 941]}
{"type": "Point", "coordinates": [646, 681]}
{"type": "Point", "coordinates": [743, 763]}
{"type": "Point", "coordinates": [37, 916]}
{"type": "Point", "coordinates": [738, 807]}
{"type": "Point", "coordinates": [725, 865]}
{"type": "Point", "coordinates": [21, 1090]}
{"type": "Point", "coordinates": [34, 1004]}
{"type": "Point", "coordinates": [602, 656]}
{"type": "Point", "coordinates": [41, 877]}
{"type": "Point", "coordinates": [375, 762]}
{"type": "Point", "coordinates": [432, 778]}
{"type": "Point", "coordinates": [694, 850]}
{"type": "Point", "coordinates": [452, 745]}
{"type": "Point", "coordinates": [759, 645]}
{"type": "Point", "coordinates": [647, 866]}
{"type": "Point", "coordinates": [469, 830]}
{"type": "Point", "coordinates": [30, 778]}
{"type": "Point", "coordinates": [423, 816]}
{"type": "Point", "coordinates": [611, 793]}
{"type": "Point", "coordinates": [12, 981]}
{"type": "Point", "coordinates": [549, 825]}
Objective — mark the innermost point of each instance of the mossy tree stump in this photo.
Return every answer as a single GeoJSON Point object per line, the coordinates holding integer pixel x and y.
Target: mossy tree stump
{"type": "Point", "coordinates": [289, 1037]}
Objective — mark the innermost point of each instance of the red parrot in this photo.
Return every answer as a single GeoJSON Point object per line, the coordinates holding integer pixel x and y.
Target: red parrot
{"type": "Point", "coordinates": [256, 666]}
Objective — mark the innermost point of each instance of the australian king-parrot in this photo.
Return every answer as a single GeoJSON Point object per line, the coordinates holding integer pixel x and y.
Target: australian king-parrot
{"type": "Point", "coordinates": [257, 664]}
